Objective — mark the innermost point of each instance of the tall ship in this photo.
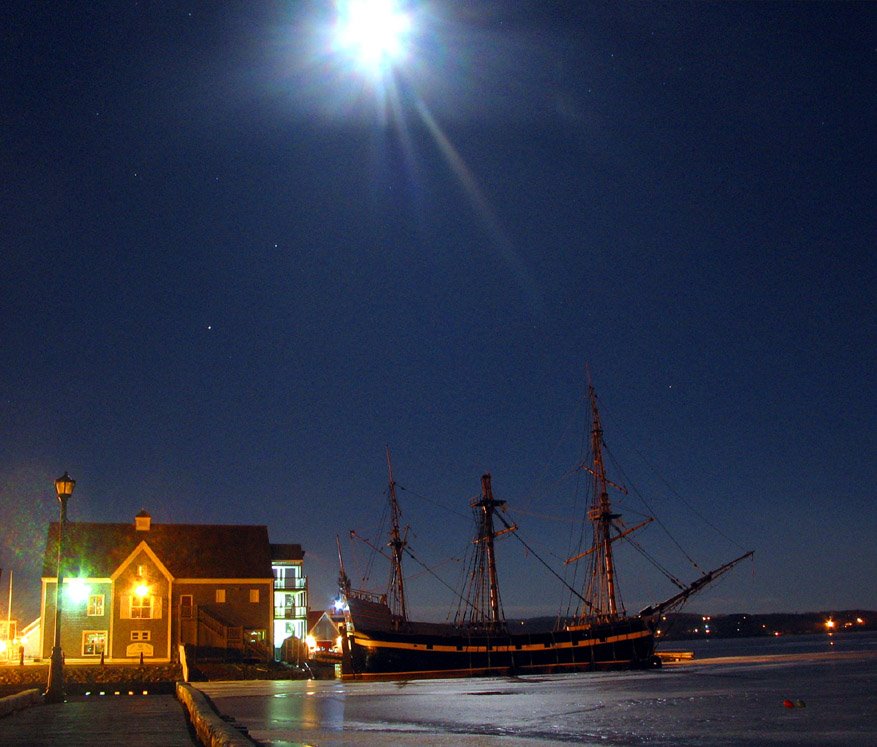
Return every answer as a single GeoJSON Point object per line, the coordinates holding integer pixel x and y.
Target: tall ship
{"type": "Point", "coordinates": [380, 641]}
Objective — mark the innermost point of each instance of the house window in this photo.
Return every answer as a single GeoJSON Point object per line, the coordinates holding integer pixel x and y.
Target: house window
{"type": "Point", "coordinates": [94, 642]}
{"type": "Point", "coordinates": [186, 606]}
{"type": "Point", "coordinates": [141, 607]}
{"type": "Point", "coordinates": [141, 635]}
{"type": "Point", "coordinates": [220, 596]}
{"type": "Point", "coordinates": [254, 596]}
{"type": "Point", "coordinates": [95, 606]}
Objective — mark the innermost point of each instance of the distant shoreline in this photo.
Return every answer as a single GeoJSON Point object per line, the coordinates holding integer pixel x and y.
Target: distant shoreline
{"type": "Point", "coordinates": [777, 658]}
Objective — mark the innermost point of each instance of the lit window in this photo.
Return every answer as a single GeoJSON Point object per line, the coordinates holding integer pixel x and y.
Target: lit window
{"type": "Point", "coordinates": [141, 635]}
{"type": "Point", "coordinates": [94, 642]}
{"type": "Point", "coordinates": [254, 595]}
{"type": "Point", "coordinates": [141, 607]}
{"type": "Point", "coordinates": [95, 606]}
{"type": "Point", "coordinates": [220, 596]}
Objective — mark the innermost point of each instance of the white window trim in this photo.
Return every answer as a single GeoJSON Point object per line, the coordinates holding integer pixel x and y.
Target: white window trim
{"type": "Point", "coordinates": [141, 604]}
{"type": "Point", "coordinates": [86, 633]}
{"type": "Point", "coordinates": [88, 611]}
{"type": "Point", "coordinates": [187, 607]}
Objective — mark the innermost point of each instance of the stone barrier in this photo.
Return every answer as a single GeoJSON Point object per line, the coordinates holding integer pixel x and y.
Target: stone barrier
{"type": "Point", "coordinates": [211, 729]}
{"type": "Point", "coordinates": [18, 701]}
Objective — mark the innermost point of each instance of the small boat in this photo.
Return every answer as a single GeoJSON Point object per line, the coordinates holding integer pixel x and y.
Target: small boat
{"type": "Point", "coordinates": [379, 641]}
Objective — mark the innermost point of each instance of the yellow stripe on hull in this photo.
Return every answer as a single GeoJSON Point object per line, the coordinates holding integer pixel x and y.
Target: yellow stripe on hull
{"type": "Point", "coordinates": [361, 639]}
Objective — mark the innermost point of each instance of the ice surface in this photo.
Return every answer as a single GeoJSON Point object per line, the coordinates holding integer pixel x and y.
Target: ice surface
{"type": "Point", "coordinates": [733, 701]}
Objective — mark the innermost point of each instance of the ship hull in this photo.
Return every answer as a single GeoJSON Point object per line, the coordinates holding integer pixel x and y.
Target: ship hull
{"type": "Point", "coordinates": [420, 650]}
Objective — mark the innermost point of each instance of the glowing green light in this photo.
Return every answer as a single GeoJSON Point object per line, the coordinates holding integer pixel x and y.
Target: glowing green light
{"type": "Point", "coordinates": [76, 590]}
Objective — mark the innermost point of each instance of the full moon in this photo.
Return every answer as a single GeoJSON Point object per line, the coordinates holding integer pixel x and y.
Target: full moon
{"type": "Point", "coordinates": [373, 32]}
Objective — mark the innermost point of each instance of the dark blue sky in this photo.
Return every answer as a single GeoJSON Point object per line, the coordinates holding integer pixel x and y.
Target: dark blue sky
{"type": "Point", "coordinates": [233, 271]}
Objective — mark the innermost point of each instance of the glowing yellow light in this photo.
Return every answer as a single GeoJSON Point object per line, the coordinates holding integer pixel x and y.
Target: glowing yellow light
{"type": "Point", "coordinates": [338, 643]}
{"type": "Point", "coordinates": [860, 621]}
{"type": "Point", "coordinates": [312, 642]}
{"type": "Point", "coordinates": [829, 624]}
{"type": "Point", "coordinates": [142, 590]}
{"type": "Point", "coordinates": [2, 647]}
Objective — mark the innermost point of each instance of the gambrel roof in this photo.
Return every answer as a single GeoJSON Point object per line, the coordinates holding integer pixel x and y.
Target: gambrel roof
{"type": "Point", "coordinates": [201, 551]}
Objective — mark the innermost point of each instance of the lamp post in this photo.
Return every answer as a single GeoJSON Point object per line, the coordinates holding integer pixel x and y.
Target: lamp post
{"type": "Point", "coordinates": [55, 687]}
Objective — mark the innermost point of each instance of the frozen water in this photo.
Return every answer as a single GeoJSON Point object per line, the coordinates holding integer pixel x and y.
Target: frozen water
{"type": "Point", "coordinates": [730, 701]}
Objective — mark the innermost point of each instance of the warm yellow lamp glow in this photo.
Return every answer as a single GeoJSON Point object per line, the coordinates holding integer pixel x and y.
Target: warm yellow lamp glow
{"type": "Point", "coordinates": [142, 590]}
{"type": "Point", "coordinates": [64, 486]}
{"type": "Point", "coordinates": [312, 642]}
{"type": "Point", "coordinates": [829, 624]}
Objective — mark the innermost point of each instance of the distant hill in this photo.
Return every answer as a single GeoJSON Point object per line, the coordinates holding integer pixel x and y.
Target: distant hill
{"type": "Point", "coordinates": [685, 626]}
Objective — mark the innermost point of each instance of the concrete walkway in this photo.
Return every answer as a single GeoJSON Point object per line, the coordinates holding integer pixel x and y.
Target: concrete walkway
{"type": "Point", "coordinates": [129, 720]}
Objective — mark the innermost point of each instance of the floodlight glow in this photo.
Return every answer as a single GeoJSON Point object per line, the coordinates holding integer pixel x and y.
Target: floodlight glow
{"type": "Point", "coordinates": [374, 32]}
{"type": "Point", "coordinates": [142, 590]}
{"type": "Point", "coordinates": [76, 590]}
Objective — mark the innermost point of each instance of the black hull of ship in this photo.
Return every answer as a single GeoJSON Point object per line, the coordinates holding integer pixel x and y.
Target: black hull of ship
{"type": "Point", "coordinates": [421, 650]}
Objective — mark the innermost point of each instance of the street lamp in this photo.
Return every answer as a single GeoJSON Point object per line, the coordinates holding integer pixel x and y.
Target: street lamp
{"type": "Point", "coordinates": [55, 687]}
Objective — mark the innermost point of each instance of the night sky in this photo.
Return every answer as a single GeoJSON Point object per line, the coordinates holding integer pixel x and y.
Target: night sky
{"type": "Point", "coordinates": [236, 267]}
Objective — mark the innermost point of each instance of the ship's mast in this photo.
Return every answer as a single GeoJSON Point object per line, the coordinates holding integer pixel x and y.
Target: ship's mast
{"type": "Point", "coordinates": [601, 591]}
{"type": "Point", "coordinates": [488, 505]}
{"type": "Point", "coordinates": [485, 565]}
{"type": "Point", "coordinates": [343, 579]}
{"type": "Point", "coordinates": [396, 545]}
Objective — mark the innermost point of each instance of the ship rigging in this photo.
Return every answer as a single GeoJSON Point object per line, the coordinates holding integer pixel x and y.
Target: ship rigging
{"type": "Point", "coordinates": [381, 640]}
